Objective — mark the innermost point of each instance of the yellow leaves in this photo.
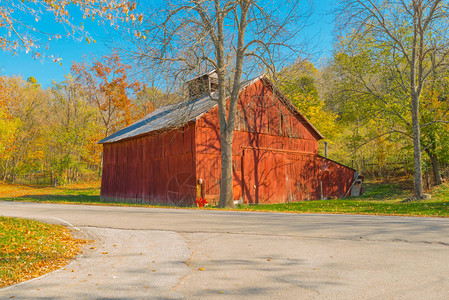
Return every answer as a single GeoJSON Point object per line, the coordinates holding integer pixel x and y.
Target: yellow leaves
{"type": "Point", "coordinates": [30, 249]}
{"type": "Point", "coordinates": [17, 190]}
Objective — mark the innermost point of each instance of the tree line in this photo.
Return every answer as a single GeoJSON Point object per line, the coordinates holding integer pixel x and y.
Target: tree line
{"type": "Point", "coordinates": [382, 96]}
{"type": "Point", "coordinates": [50, 135]}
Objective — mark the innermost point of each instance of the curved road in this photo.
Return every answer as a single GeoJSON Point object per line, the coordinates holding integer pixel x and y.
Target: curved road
{"type": "Point", "coordinates": [180, 253]}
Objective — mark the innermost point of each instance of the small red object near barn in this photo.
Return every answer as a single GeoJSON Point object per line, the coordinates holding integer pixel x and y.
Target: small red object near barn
{"type": "Point", "coordinates": [161, 158]}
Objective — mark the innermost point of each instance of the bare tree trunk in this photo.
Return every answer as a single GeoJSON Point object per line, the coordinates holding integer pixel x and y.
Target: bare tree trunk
{"type": "Point", "coordinates": [226, 184]}
{"type": "Point", "coordinates": [435, 169]}
{"type": "Point", "coordinates": [418, 187]}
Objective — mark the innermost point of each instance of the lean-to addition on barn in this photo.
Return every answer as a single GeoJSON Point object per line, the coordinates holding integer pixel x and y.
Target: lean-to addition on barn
{"type": "Point", "coordinates": [163, 157]}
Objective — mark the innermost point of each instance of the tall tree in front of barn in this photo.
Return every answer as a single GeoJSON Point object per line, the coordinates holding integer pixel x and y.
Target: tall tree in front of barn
{"type": "Point", "coordinates": [413, 36]}
{"type": "Point", "coordinates": [225, 35]}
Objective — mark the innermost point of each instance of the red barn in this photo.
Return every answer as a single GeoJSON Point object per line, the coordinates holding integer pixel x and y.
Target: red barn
{"type": "Point", "coordinates": [161, 158]}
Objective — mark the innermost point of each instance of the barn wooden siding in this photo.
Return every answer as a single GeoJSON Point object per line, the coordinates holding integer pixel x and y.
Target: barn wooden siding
{"type": "Point", "coordinates": [159, 167]}
{"type": "Point", "coordinates": [275, 158]}
{"type": "Point", "coordinates": [275, 154]}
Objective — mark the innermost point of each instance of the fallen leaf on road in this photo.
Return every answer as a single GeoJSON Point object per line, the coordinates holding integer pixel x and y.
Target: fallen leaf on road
{"type": "Point", "coordinates": [104, 253]}
{"type": "Point", "coordinates": [201, 269]}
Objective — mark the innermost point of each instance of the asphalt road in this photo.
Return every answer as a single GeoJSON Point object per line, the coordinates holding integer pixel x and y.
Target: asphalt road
{"type": "Point", "coordinates": [180, 253]}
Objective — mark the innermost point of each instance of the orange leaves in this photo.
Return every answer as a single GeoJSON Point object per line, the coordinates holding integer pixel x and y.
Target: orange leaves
{"type": "Point", "coordinates": [108, 87]}
{"type": "Point", "coordinates": [28, 36]}
{"type": "Point", "coordinates": [29, 249]}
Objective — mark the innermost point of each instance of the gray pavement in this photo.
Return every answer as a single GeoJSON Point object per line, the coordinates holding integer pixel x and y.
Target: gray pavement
{"type": "Point", "coordinates": [194, 254]}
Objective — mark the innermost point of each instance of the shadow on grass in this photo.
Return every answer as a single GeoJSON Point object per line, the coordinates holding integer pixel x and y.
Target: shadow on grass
{"type": "Point", "coordinates": [57, 198]}
{"type": "Point", "coordinates": [76, 199]}
{"type": "Point", "coordinates": [382, 191]}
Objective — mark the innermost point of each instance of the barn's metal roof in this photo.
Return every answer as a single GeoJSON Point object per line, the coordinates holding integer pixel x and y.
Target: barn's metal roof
{"type": "Point", "coordinates": [169, 116]}
{"type": "Point", "coordinates": [178, 114]}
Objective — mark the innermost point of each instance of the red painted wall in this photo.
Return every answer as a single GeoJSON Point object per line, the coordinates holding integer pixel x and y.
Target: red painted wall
{"type": "Point", "coordinates": [159, 168]}
{"type": "Point", "coordinates": [275, 154]}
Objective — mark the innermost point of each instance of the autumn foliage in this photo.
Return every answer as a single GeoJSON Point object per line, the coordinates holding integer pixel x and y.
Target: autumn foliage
{"type": "Point", "coordinates": [29, 249]}
{"type": "Point", "coordinates": [108, 87]}
{"type": "Point", "coordinates": [25, 34]}
{"type": "Point", "coordinates": [50, 135]}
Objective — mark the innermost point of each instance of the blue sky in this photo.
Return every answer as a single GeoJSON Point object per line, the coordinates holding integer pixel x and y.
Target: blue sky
{"type": "Point", "coordinates": [319, 36]}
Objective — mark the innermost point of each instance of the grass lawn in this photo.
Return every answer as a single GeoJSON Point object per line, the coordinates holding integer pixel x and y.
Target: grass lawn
{"type": "Point", "coordinates": [379, 199]}
{"type": "Point", "coordinates": [74, 193]}
{"type": "Point", "coordinates": [30, 249]}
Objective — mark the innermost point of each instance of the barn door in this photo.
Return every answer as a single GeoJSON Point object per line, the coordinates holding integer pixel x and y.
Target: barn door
{"type": "Point", "coordinates": [264, 177]}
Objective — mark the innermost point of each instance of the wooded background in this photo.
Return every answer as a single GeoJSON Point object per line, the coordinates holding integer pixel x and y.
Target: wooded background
{"type": "Point", "coordinates": [381, 99]}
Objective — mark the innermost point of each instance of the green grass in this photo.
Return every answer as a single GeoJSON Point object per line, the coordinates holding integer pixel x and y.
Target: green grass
{"type": "Point", "coordinates": [75, 193]}
{"type": "Point", "coordinates": [29, 249]}
{"type": "Point", "coordinates": [378, 199]}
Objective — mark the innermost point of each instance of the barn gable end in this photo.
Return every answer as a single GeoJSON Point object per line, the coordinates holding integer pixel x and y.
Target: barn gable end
{"type": "Point", "coordinates": [275, 152]}
{"type": "Point", "coordinates": [160, 158]}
